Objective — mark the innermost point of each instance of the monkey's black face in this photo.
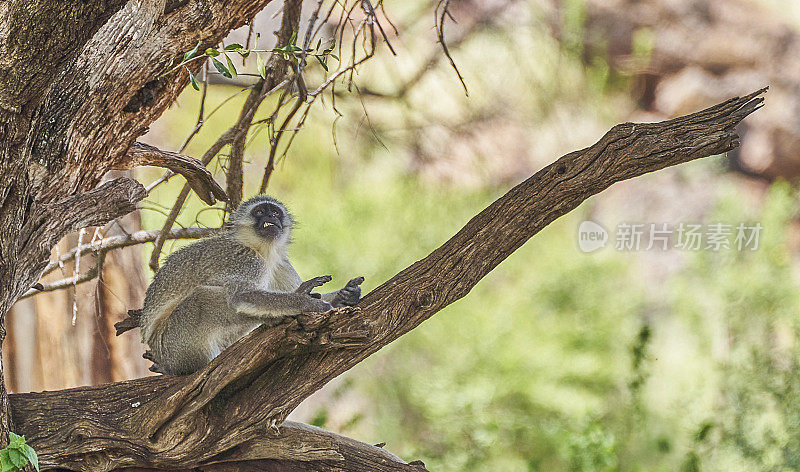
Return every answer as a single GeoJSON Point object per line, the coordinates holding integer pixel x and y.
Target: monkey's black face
{"type": "Point", "coordinates": [269, 220]}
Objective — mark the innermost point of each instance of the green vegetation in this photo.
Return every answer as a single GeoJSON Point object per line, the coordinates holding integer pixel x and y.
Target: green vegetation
{"type": "Point", "coordinates": [15, 456]}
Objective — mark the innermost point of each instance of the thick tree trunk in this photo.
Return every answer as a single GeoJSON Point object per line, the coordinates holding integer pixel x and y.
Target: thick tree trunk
{"type": "Point", "coordinates": [77, 88]}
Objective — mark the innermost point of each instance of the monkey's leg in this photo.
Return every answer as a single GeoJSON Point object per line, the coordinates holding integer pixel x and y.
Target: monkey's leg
{"type": "Point", "coordinates": [199, 328]}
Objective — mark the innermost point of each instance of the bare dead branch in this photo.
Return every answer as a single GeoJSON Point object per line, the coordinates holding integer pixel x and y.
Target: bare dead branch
{"type": "Point", "coordinates": [69, 281]}
{"type": "Point", "coordinates": [195, 173]}
{"type": "Point", "coordinates": [441, 15]}
{"type": "Point", "coordinates": [116, 242]}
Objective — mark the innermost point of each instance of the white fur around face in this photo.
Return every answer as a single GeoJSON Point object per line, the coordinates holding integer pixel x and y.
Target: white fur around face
{"type": "Point", "coordinates": [266, 249]}
{"type": "Point", "coordinates": [276, 275]}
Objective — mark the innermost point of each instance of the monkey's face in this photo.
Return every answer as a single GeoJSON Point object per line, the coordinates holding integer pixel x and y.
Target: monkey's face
{"type": "Point", "coordinates": [269, 220]}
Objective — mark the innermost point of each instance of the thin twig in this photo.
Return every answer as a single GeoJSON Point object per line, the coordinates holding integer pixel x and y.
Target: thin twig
{"type": "Point", "coordinates": [70, 282]}
{"type": "Point", "coordinates": [440, 20]}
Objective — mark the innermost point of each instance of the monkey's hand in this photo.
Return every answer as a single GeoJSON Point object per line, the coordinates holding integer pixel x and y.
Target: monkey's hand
{"type": "Point", "coordinates": [350, 294]}
{"type": "Point", "coordinates": [315, 303]}
{"type": "Point", "coordinates": [306, 287]}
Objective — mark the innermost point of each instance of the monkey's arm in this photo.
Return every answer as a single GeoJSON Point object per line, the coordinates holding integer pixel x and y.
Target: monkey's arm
{"type": "Point", "coordinates": [349, 295]}
{"type": "Point", "coordinates": [253, 302]}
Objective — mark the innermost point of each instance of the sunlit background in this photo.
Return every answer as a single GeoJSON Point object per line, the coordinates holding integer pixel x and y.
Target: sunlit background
{"type": "Point", "coordinates": [618, 359]}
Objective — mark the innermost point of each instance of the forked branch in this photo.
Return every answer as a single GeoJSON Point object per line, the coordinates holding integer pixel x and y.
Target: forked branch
{"type": "Point", "coordinates": [213, 416]}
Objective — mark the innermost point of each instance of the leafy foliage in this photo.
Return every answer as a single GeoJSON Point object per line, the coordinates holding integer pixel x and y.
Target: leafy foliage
{"type": "Point", "coordinates": [290, 52]}
{"type": "Point", "coordinates": [17, 455]}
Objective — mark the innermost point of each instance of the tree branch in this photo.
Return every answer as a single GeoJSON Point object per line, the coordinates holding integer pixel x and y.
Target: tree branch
{"type": "Point", "coordinates": [102, 246]}
{"type": "Point", "coordinates": [197, 176]}
{"type": "Point", "coordinates": [116, 242]}
{"type": "Point", "coordinates": [212, 415]}
{"type": "Point", "coordinates": [69, 281]}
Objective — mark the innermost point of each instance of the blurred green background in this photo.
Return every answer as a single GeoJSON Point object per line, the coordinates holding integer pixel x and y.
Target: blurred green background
{"type": "Point", "coordinates": [558, 360]}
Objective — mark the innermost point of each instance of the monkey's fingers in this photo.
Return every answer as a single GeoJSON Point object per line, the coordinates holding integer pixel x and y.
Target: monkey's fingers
{"type": "Point", "coordinates": [311, 284]}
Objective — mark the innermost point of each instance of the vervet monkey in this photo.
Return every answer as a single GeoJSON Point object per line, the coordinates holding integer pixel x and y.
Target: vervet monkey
{"type": "Point", "coordinates": [212, 293]}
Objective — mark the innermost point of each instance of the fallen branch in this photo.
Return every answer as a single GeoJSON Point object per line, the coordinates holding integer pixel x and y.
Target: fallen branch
{"type": "Point", "coordinates": [213, 415]}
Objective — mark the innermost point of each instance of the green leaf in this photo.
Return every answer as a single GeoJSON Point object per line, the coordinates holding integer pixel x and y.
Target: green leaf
{"type": "Point", "coordinates": [293, 48]}
{"type": "Point", "coordinates": [319, 43]}
{"type": "Point", "coordinates": [322, 63]}
{"type": "Point", "coordinates": [334, 56]}
{"type": "Point", "coordinates": [255, 43]}
{"type": "Point", "coordinates": [233, 47]}
{"type": "Point", "coordinates": [15, 440]}
{"type": "Point", "coordinates": [262, 69]}
{"type": "Point", "coordinates": [193, 81]}
{"type": "Point", "coordinates": [221, 68]}
{"type": "Point", "coordinates": [243, 52]}
{"type": "Point", "coordinates": [17, 458]}
{"type": "Point", "coordinates": [5, 462]}
{"type": "Point", "coordinates": [193, 52]}
{"type": "Point", "coordinates": [293, 38]}
{"type": "Point", "coordinates": [30, 454]}
{"type": "Point", "coordinates": [231, 67]}
{"type": "Point", "coordinates": [211, 52]}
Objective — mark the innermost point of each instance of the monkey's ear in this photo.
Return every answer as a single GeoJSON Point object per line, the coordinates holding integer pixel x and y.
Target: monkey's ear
{"type": "Point", "coordinates": [315, 295]}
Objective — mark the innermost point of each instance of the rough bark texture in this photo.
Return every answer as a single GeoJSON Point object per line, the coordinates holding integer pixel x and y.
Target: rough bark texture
{"type": "Point", "coordinates": [233, 409]}
{"type": "Point", "coordinates": [79, 82]}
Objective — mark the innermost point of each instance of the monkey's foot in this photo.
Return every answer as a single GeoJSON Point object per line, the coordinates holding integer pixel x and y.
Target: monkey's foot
{"type": "Point", "coordinates": [155, 367]}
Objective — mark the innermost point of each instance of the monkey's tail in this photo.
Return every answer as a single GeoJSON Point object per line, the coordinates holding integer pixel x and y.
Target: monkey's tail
{"type": "Point", "coordinates": [129, 323]}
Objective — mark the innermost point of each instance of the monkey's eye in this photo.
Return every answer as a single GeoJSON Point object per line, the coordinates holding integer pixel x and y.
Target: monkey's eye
{"type": "Point", "coordinates": [259, 212]}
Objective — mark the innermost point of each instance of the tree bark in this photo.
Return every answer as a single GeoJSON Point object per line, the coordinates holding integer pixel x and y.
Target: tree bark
{"type": "Point", "coordinates": [80, 81]}
{"type": "Point", "coordinates": [233, 409]}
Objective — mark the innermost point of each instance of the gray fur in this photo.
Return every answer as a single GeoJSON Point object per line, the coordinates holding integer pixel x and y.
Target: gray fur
{"type": "Point", "coordinates": [212, 293]}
